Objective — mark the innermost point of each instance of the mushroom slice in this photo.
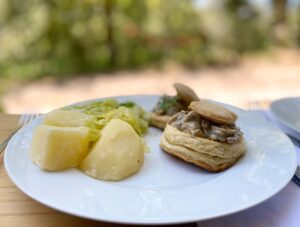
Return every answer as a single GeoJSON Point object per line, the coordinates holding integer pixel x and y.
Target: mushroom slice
{"type": "Point", "coordinates": [223, 131]}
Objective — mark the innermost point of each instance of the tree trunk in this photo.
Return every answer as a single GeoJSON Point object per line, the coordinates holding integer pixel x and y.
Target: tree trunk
{"type": "Point", "coordinates": [109, 4]}
{"type": "Point", "coordinates": [298, 27]}
{"type": "Point", "coordinates": [279, 11]}
{"type": "Point", "coordinates": [280, 32]}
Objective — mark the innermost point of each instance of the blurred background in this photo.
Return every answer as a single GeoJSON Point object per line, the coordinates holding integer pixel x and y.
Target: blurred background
{"type": "Point", "coordinates": [56, 52]}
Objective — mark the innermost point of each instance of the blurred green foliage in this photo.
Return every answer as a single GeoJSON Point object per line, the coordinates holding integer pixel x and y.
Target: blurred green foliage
{"type": "Point", "coordinates": [65, 38]}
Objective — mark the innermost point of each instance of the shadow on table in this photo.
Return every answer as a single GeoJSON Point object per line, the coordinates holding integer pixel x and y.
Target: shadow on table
{"type": "Point", "coordinates": [280, 210]}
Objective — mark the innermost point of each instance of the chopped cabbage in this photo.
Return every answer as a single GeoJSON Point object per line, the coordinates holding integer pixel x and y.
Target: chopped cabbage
{"type": "Point", "coordinates": [96, 108]}
{"type": "Point", "coordinates": [104, 111]}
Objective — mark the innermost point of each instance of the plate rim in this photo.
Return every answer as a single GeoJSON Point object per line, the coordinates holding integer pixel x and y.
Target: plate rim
{"type": "Point", "coordinates": [144, 221]}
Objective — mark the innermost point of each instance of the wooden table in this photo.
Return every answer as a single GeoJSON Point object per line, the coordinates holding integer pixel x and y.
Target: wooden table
{"type": "Point", "coordinates": [17, 209]}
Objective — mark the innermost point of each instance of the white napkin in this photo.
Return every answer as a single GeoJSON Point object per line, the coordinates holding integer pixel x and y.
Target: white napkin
{"type": "Point", "coordinates": [281, 210]}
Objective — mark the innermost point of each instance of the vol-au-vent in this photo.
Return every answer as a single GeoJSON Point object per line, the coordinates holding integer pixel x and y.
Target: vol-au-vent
{"type": "Point", "coordinates": [206, 136]}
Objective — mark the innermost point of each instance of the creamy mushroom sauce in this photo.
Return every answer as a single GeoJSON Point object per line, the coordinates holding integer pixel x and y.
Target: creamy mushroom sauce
{"type": "Point", "coordinates": [191, 122]}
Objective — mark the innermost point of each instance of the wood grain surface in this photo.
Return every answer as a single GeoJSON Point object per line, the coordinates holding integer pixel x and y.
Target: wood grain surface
{"type": "Point", "coordinates": [17, 209]}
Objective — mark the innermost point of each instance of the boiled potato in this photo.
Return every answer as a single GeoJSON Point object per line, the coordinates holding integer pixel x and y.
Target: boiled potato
{"type": "Point", "coordinates": [117, 154]}
{"type": "Point", "coordinates": [56, 148]}
{"type": "Point", "coordinates": [69, 118]}
{"type": "Point", "coordinates": [72, 118]}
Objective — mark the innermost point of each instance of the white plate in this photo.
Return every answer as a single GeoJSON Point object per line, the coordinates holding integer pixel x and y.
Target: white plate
{"type": "Point", "coordinates": [166, 190]}
{"type": "Point", "coordinates": [286, 113]}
